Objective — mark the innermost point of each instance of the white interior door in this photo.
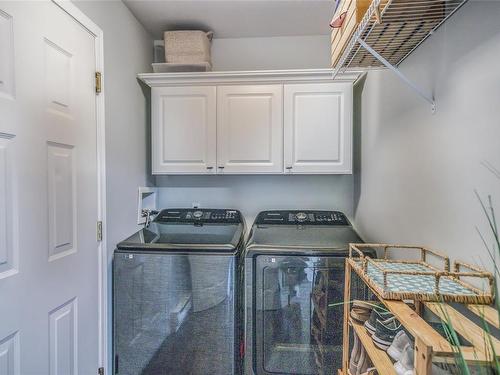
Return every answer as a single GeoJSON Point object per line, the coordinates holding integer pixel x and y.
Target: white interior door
{"type": "Point", "coordinates": [318, 128]}
{"type": "Point", "coordinates": [48, 193]}
{"type": "Point", "coordinates": [184, 130]}
{"type": "Point", "coordinates": [250, 129]}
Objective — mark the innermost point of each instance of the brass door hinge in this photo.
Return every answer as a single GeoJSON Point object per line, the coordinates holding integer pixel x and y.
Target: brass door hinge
{"type": "Point", "coordinates": [99, 231]}
{"type": "Point", "coordinates": [100, 371]}
{"type": "Point", "coordinates": [98, 83]}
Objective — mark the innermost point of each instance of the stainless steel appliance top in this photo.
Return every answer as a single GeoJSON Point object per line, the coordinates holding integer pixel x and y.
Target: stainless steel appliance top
{"type": "Point", "coordinates": [189, 229]}
{"type": "Point", "coordinates": [303, 231]}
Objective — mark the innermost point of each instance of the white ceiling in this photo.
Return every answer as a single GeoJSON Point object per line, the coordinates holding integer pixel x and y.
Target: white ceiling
{"type": "Point", "coordinates": [235, 18]}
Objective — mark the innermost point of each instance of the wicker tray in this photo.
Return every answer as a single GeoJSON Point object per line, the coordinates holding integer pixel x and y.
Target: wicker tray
{"type": "Point", "coordinates": [418, 280]}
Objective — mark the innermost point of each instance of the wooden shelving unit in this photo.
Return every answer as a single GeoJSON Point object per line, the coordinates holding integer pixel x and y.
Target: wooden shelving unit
{"type": "Point", "coordinates": [430, 346]}
{"type": "Point", "coordinates": [389, 32]}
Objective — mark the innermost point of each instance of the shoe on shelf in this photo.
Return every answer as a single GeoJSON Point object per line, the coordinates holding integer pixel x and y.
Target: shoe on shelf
{"type": "Point", "coordinates": [377, 313]}
{"type": "Point", "coordinates": [355, 353]}
{"type": "Point", "coordinates": [370, 371]}
{"type": "Point", "coordinates": [364, 362]}
{"type": "Point", "coordinates": [395, 350]}
{"type": "Point", "coordinates": [385, 332]}
{"type": "Point", "coordinates": [361, 310]}
{"type": "Point", "coordinates": [405, 366]}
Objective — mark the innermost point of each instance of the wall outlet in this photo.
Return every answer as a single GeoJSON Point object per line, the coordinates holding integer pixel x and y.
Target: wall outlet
{"type": "Point", "coordinates": [146, 200]}
{"type": "Point", "coordinates": [196, 204]}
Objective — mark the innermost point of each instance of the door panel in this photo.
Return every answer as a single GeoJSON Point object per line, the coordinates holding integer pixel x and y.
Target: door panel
{"type": "Point", "coordinates": [62, 200]}
{"type": "Point", "coordinates": [184, 130]}
{"type": "Point", "coordinates": [249, 129]}
{"type": "Point", "coordinates": [63, 339]}
{"type": "Point", "coordinates": [7, 53]}
{"type": "Point", "coordinates": [7, 76]}
{"type": "Point", "coordinates": [8, 208]}
{"type": "Point", "coordinates": [9, 355]}
{"type": "Point", "coordinates": [318, 128]}
{"type": "Point", "coordinates": [48, 192]}
{"type": "Point", "coordinates": [58, 66]}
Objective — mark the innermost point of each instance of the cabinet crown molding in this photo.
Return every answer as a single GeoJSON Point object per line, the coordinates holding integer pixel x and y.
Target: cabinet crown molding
{"type": "Point", "coordinates": [239, 77]}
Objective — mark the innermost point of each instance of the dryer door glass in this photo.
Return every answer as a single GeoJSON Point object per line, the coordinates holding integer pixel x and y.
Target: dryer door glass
{"type": "Point", "coordinates": [298, 314]}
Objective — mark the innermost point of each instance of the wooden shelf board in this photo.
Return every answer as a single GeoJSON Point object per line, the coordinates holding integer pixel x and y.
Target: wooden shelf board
{"type": "Point", "coordinates": [479, 338]}
{"type": "Point", "coordinates": [489, 313]}
{"type": "Point", "coordinates": [379, 357]}
{"type": "Point", "coordinates": [418, 327]}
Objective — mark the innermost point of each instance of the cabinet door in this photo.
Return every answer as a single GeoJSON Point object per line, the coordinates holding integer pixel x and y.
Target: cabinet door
{"type": "Point", "coordinates": [184, 130]}
{"type": "Point", "coordinates": [318, 128]}
{"type": "Point", "coordinates": [250, 129]}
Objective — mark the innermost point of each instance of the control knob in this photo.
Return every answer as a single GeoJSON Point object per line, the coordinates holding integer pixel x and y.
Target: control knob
{"type": "Point", "coordinates": [301, 216]}
{"type": "Point", "coordinates": [197, 214]}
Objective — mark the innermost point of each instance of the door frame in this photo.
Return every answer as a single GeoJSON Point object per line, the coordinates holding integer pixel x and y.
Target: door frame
{"type": "Point", "coordinates": [102, 272]}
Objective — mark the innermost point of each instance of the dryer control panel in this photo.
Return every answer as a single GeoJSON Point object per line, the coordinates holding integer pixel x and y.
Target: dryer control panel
{"type": "Point", "coordinates": [302, 218]}
{"type": "Point", "coordinates": [198, 215]}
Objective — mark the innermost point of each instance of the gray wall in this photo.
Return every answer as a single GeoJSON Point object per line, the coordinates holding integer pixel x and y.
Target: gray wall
{"type": "Point", "coordinates": [252, 194]}
{"type": "Point", "coordinates": [417, 172]}
{"type": "Point", "coordinates": [298, 52]}
{"type": "Point", "coordinates": [127, 51]}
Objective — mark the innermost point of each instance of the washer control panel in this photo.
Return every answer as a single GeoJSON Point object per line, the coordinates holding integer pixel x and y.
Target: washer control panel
{"type": "Point", "coordinates": [196, 215]}
{"type": "Point", "coordinates": [302, 218]}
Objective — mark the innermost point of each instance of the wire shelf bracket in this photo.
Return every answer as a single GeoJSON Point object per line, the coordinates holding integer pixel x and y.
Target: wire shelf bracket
{"type": "Point", "coordinates": [397, 27]}
{"type": "Point", "coordinates": [429, 98]}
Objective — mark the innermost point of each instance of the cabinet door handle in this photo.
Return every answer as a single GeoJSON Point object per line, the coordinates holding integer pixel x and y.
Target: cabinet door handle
{"type": "Point", "coordinates": [289, 167]}
{"type": "Point", "coordinates": [210, 167]}
{"type": "Point", "coordinates": [221, 167]}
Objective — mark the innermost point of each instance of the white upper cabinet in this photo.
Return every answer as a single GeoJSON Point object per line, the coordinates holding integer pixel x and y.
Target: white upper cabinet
{"type": "Point", "coordinates": [262, 122]}
{"type": "Point", "coordinates": [184, 130]}
{"type": "Point", "coordinates": [318, 128]}
{"type": "Point", "coordinates": [250, 129]}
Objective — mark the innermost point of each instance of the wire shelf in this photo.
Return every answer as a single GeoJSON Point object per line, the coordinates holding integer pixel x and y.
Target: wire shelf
{"type": "Point", "coordinates": [403, 26]}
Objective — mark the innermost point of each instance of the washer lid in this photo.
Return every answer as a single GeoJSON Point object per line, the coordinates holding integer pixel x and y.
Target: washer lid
{"type": "Point", "coordinates": [321, 230]}
{"type": "Point", "coordinates": [189, 229]}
